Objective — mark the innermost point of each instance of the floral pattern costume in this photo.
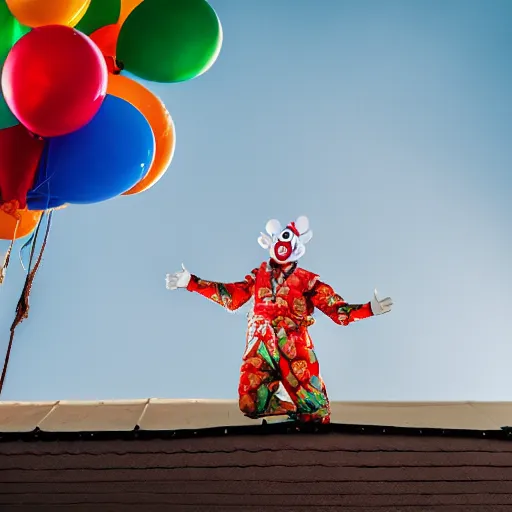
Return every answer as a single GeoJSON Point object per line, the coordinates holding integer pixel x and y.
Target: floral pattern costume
{"type": "Point", "coordinates": [278, 346]}
{"type": "Point", "coordinates": [280, 373]}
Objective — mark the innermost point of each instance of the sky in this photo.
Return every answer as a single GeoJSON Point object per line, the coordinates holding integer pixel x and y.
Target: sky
{"type": "Point", "coordinates": [387, 123]}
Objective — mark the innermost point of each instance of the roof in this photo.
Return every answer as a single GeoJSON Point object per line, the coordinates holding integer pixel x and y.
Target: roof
{"type": "Point", "coordinates": [254, 473]}
{"type": "Point", "coordinates": [204, 455]}
{"type": "Point", "coordinates": [172, 415]}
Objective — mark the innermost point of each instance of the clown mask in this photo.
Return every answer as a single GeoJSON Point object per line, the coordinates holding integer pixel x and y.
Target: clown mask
{"type": "Point", "coordinates": [289, 244]}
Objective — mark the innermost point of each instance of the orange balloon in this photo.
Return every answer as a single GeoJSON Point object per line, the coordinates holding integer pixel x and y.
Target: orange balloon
{"type": "Point", "coordinates": [127, 7]}
{"type": "Point", "coordinates": [159, 119]}
{"type": "Point", "coordinates": [28, 222]}
{"type": "Point", "coordinates": [36, 13]}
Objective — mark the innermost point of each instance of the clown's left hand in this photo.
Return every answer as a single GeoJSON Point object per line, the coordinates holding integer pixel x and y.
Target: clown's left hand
{"type": "Point", "coordinates": [380, 306]}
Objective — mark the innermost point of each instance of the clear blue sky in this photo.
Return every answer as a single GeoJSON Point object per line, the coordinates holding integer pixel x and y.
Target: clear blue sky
{"type": "Point", "coordinates": [389, 124]}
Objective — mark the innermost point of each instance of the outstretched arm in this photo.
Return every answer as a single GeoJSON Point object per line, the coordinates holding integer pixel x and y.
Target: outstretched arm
{"type": "Point", "coordinates": [335, 307]}
{"type": "Point", "coordinates": [229, 295]}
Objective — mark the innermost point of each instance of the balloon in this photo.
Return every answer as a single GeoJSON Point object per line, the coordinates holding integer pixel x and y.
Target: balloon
{"type": "Point", "coordinates": [36, 13]}
{"type": "Point", "coordinates": [170, 40]}
{"type": "Point", "coordinates": [19, 157]}
{"type": "Point", "coordinates": [28, 222]}
{"type": "Point", "coordinates": [106, 40]}
{"type": "Point", "coordinates": [127, 6]}
{"type": "Point", "coordinates": [159, 119]}
{"type": "Point", "coordinates": [99, 14]}
{"type": "Point", "coordinates": [54, 80]}
{"type": "Point", "coordinates": [10, 32]}
{"type": "Point", "coordinates": [106, 36]}
{"type": "Point", "coordinates": [100, 161]}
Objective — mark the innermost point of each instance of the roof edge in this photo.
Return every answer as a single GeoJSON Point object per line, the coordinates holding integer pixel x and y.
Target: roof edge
{"type": "Point", "coordinates": [283, 428]}
{"type": "Point", "coordinates": [194, 414]}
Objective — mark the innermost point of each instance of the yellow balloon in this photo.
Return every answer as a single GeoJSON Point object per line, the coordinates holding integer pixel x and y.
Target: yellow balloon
{"type": "Point", "coordinates": [36, 13]}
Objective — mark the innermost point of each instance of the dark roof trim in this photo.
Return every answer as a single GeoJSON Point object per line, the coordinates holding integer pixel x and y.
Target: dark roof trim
{"type": "Point", "coordinates": [266, 429]}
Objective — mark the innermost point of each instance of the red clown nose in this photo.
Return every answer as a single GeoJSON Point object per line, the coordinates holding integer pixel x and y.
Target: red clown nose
{"type": "Point", "coordinates": [283, 250]}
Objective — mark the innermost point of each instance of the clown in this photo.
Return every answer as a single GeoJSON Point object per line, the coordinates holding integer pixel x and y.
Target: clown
{"type": "Point", "coordinates": [279, 352]}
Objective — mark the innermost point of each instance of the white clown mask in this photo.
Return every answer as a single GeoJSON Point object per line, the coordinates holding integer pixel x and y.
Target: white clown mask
{"type": "Point", "coordinates": [288, 244]}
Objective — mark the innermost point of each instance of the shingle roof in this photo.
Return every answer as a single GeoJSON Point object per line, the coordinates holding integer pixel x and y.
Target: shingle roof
{"type": "Point", "coordinates": [396, 457]}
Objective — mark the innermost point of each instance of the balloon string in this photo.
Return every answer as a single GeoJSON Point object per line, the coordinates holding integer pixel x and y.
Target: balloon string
{"type": "Point", "coordinates": [23, 306]}
{"type": "Point", "coordinates": [44, 161]}
{"type": "Point", "coordinates": [7, 258]}
{"type": "Point", "coordinates": [46, 178]}
{"type": "Point", "coordinates": [10, 208]}
{"type": "Point", "coordinates": [25, 246]}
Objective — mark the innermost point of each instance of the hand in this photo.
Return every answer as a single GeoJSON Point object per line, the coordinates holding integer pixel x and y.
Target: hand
{"type": "Point", "coordinates": [380, 307]}
{"type": "Point", "coordinates": [178, 280]}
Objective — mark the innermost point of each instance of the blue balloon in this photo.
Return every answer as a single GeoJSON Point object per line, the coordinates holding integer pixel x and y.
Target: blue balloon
{"type": "Point", "coordinates": [105, 158]}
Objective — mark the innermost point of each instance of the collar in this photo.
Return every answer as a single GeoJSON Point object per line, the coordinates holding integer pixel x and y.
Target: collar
{"type": "Point", "coordinates": [287, 268]}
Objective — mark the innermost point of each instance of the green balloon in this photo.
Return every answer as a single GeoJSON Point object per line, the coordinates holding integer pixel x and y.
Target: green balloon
{"type": "Point", "coordinates": [170, 40]}
{"type": "Point", "coordinates": [10, 32]}
{"type": "Point", "coordinates": [100, 13]}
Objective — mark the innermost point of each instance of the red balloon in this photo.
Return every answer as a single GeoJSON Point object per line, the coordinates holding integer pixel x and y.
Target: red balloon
{"type": "Point", "coordinates": [19, 159]}
{"type": "Point", "coordinates": [54, 80]}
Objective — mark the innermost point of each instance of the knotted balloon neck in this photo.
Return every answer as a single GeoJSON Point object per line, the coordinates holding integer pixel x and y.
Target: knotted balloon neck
{"type": "Point", "coordinates": [116, 65]}
{"type": "Point", "coordinates": [11, 208]}
{"type": "Point", "coordinates": [35, 136]}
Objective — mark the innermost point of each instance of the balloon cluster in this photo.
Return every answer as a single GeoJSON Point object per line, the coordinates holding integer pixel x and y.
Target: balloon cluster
{"type": "Point", "coordinates": [73, 128]}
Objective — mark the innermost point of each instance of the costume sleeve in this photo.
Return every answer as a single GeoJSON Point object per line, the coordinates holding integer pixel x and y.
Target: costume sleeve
{"type": "Point", "coordinates": [229, 295]}
{"type": "Point", "coordinates": [331, 304]}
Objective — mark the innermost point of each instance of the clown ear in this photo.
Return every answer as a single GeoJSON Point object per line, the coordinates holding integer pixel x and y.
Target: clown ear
{"type": "Point", "coordinates": [306, 237]}
{"type": "Point", "coordinates": [302, 224]}
{"type": "Point", "coordinates": [273, 227]}
{"type": "Point", "coordinates": [265, 241]}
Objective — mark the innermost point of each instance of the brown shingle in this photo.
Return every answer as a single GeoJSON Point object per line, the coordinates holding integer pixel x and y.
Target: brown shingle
{"type": "Point", "coordinates": [268, 472]}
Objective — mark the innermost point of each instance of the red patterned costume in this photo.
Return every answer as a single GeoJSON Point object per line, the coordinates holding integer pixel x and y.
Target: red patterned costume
{"type": "Point", "coordinates": [279, 349]}
{"type": "Point", "coordinates": [278, 346]}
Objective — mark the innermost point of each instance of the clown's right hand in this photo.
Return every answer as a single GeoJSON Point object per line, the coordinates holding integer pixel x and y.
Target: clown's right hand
{"type": "Point", "coordinates": [178, 280]}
